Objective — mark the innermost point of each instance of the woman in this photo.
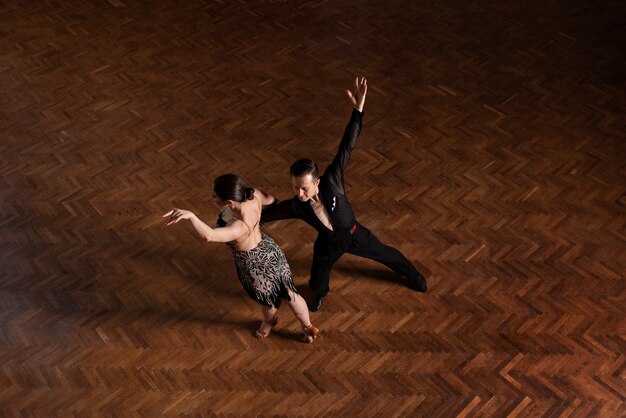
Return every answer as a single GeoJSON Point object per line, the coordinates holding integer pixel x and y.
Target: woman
{"type": "Point", "coordinates": [262, 267]}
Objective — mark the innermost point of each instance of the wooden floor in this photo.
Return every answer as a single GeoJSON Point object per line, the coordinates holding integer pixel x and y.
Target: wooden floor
{"type": "Point", "coordinates": [493, 155]}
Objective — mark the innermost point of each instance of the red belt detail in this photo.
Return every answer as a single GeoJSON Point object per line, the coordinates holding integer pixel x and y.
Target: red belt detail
{"type": "Point", "coordinates": [353, 229]}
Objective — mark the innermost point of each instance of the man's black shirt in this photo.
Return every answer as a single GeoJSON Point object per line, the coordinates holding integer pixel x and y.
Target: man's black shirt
{"type": "Point", "coordinates": [331, 190]}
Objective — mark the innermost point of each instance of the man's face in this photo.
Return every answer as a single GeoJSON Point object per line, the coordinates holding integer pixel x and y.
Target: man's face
{"type": "Point", "coordinates": [305, 187]}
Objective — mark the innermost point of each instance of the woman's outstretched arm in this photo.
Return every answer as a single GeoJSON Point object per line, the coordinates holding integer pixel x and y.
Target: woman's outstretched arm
{"type": "Point", "coordinates": [227, 234]}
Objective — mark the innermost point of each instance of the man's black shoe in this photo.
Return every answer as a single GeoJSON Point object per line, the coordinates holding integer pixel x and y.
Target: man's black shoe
{"type": "Point", "coordinates": [419, 284]}
{"type": "Point", "coordinates": [316, 303]}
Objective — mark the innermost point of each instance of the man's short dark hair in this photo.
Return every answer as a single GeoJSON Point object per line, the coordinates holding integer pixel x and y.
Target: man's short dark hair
{"type": "Point", "coordinates": [303, 167]}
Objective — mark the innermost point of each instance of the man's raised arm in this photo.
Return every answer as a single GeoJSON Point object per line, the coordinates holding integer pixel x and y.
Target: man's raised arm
{"type": "Point", "coordinates": [335, 170]}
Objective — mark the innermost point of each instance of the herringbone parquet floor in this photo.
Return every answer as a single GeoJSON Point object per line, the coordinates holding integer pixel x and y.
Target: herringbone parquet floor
{"type": "Point", "coordinates": [493, 155]}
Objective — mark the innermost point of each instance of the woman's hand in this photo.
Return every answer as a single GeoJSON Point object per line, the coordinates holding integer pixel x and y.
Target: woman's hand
{"type": "Point", "coordinates": [176, 215]}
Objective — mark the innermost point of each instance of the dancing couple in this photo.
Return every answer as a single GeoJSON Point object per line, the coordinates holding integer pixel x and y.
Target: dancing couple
{"type": "Point", "coordinates": [321, 202]}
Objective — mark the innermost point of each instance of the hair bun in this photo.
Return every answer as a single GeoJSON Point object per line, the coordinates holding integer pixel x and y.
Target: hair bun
{"type": "Point", "coordinates": [249, 193]}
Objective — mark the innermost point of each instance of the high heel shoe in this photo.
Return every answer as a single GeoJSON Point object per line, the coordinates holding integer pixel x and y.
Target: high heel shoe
{"type": "Point", "coordinates": [265, 334]}
{"type": "Point", "coordinates": [310, 333]}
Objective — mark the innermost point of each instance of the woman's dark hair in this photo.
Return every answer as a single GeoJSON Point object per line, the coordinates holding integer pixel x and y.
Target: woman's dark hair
{"type": "Point", "coordinates": [303, 167]}
{"type": "Point", "coordinates": [231, 187]}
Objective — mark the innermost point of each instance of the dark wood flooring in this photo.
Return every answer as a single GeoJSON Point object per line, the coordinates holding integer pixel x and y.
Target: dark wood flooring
{"type": "Point", "coordinates": [493, 155]}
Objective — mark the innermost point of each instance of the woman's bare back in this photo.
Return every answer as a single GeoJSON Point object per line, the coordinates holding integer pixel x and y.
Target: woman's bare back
{"type": "Point", "coordinates": [250, 217]}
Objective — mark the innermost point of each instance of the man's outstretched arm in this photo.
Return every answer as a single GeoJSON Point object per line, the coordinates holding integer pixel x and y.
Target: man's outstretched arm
{"type": "Point", "coordinates": [279, 210]}
{"type": "Point", "coordinates": [335, 170]}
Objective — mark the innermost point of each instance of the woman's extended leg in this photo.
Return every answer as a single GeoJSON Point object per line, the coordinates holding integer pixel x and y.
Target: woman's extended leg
{"type": "Point", "coordinates": [301, 311]}
{"type": "Point", "coordinates": [298, 306]}
{"type": "Point", "coordinates": [269, 321]}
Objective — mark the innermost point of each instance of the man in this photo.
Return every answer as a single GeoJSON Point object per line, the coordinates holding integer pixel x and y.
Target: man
{"type": "Point", "coordinates": [322, 203]}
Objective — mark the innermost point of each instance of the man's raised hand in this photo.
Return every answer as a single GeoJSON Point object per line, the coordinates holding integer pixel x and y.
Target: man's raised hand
{"type": "Point", "coordinates": [357, 97]}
